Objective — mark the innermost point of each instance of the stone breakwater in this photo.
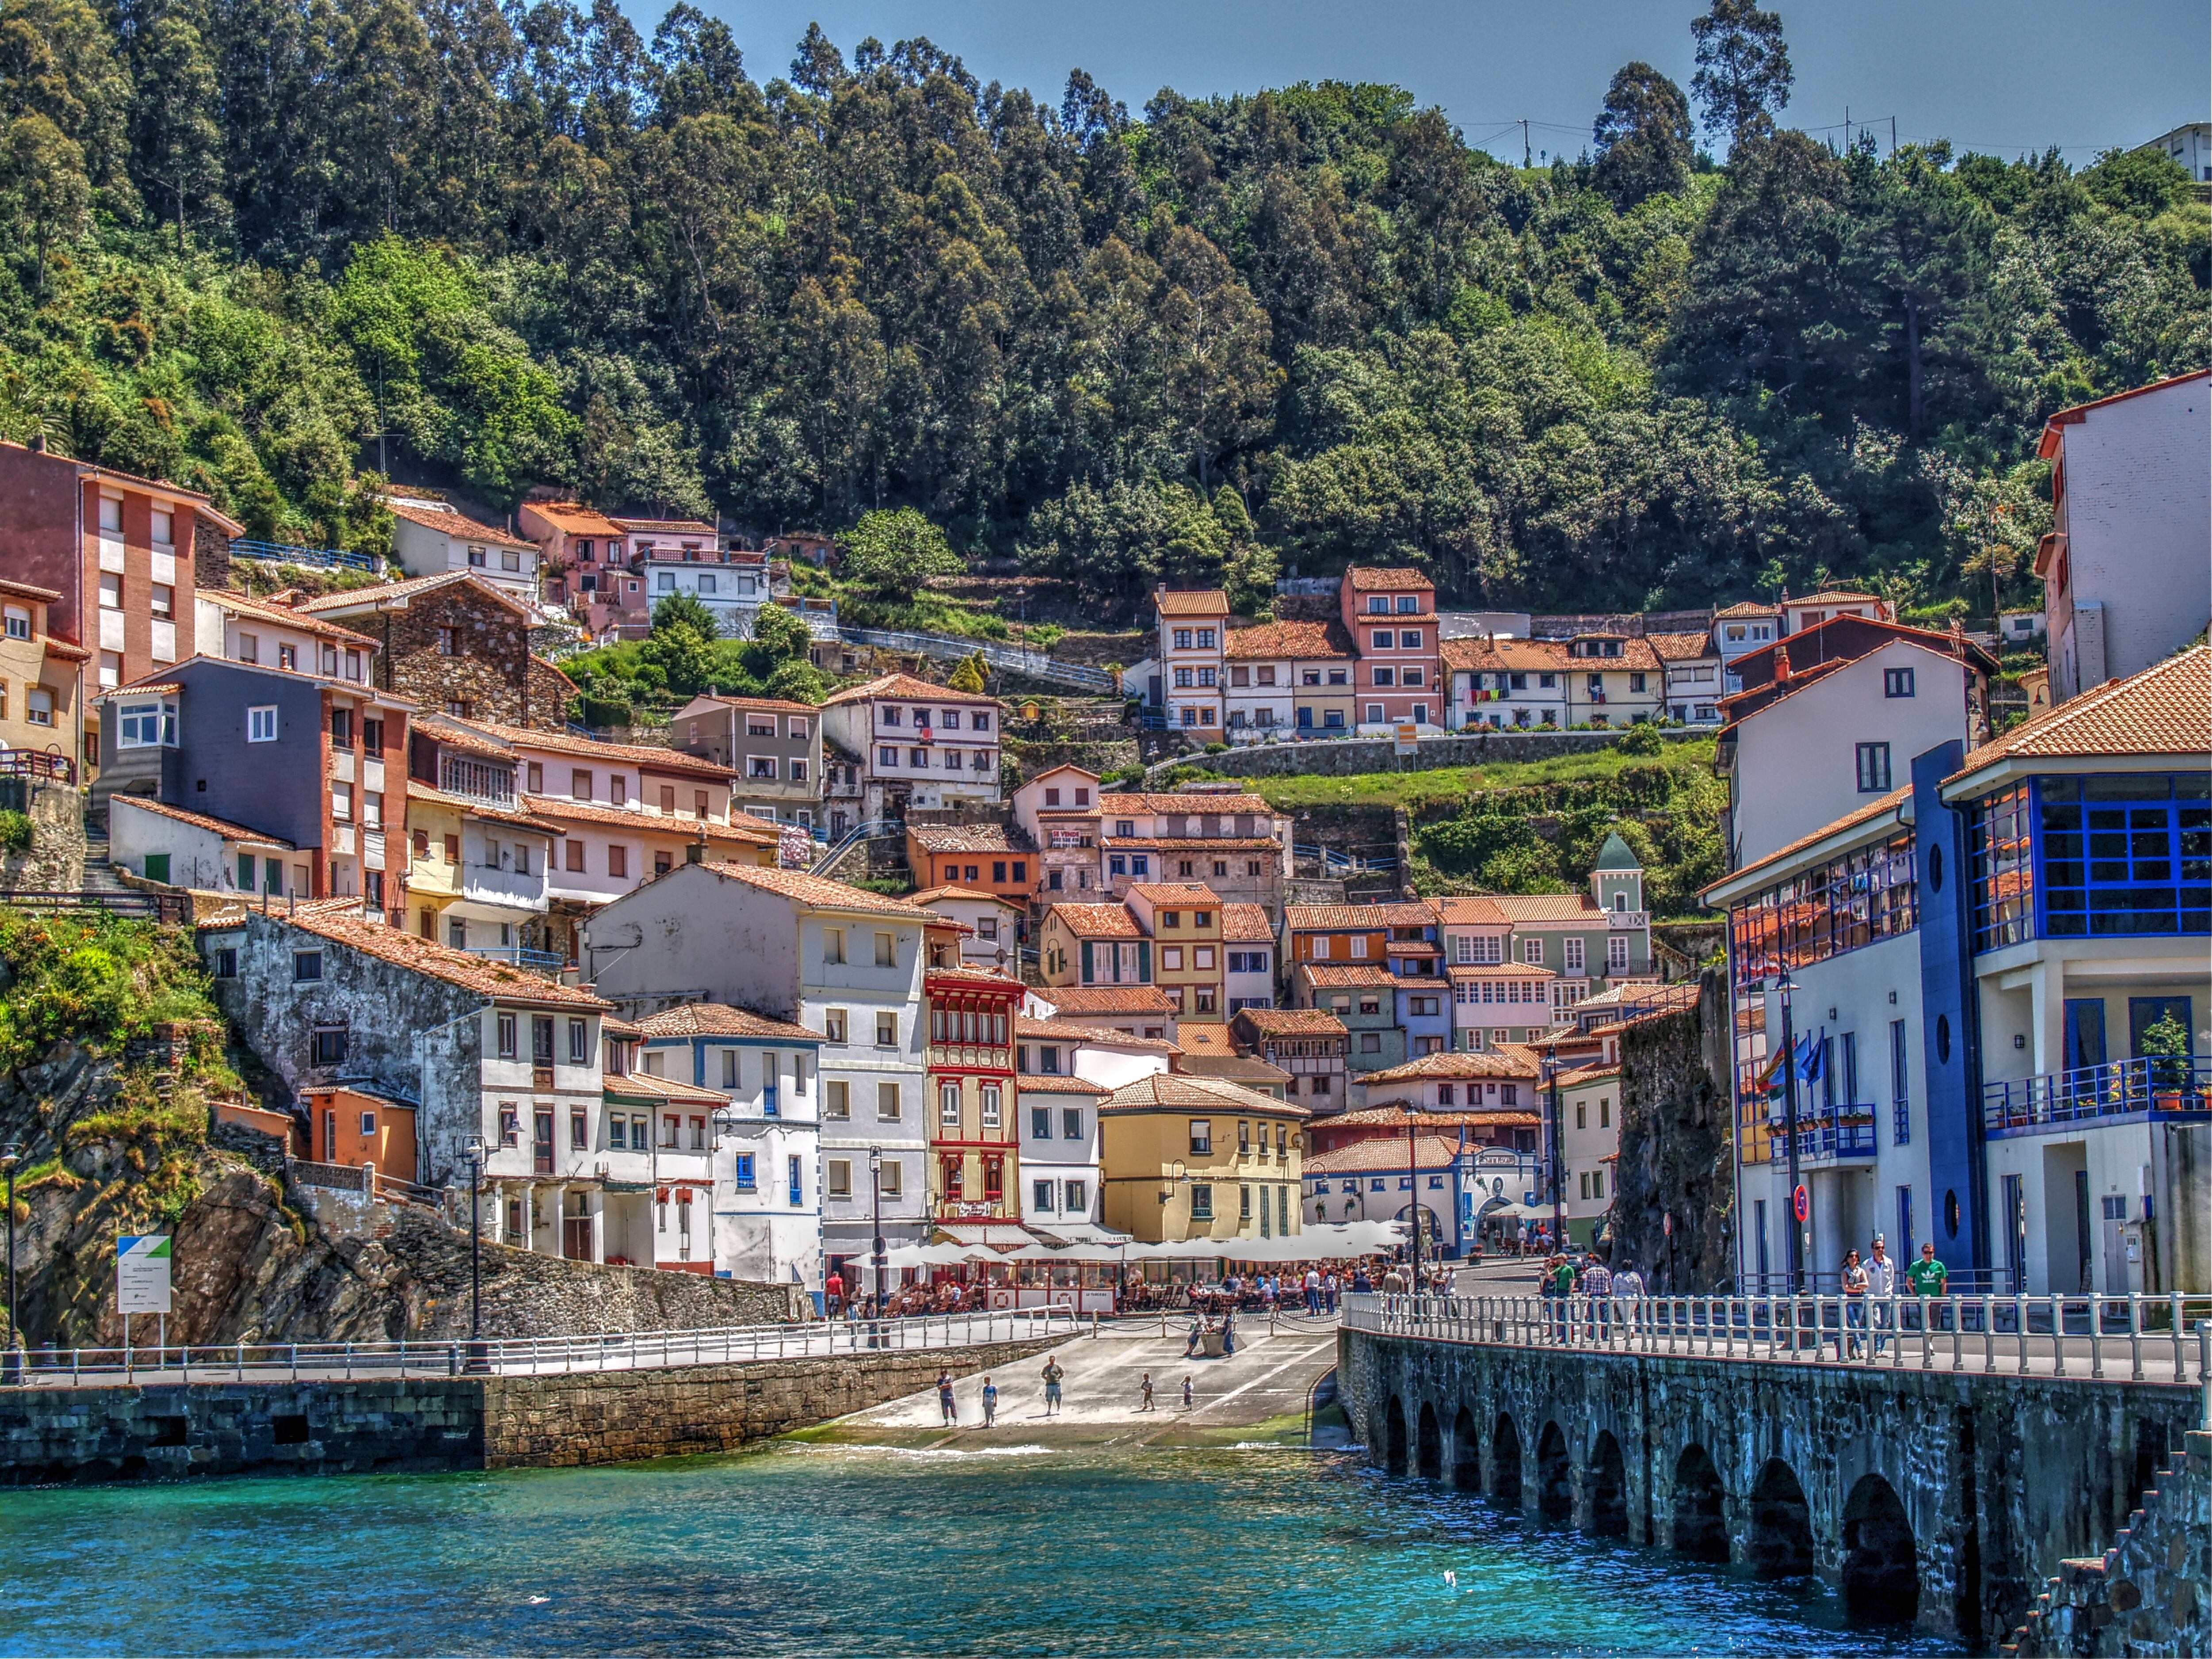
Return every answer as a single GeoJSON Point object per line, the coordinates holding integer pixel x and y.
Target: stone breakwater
{"type": "Point", "coordinates": [186, 1430]}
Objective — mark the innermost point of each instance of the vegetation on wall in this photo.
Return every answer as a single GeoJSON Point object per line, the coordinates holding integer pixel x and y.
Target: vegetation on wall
{"type": "Point", "coordinates": [268, 247]}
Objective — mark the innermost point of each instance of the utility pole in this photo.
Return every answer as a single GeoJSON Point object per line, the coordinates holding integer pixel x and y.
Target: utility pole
{"type": "Point", "coordinates": [1413, 1170]}
{"type": "Point", "coordinates": [1892, 137]}
{"type": "Point", "coordinates": [1790, 1127]}
{"type": "Point", "coordinates": [1559, 1178]}
{"type": "Point", "coordinates": [1525, 162]}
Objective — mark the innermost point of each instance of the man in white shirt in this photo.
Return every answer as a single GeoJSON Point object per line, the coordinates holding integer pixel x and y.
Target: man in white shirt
{"type": "Point", "coordinates": [1312, 1292]}
{"type": "Point", "coordinates": [1882, 1286]}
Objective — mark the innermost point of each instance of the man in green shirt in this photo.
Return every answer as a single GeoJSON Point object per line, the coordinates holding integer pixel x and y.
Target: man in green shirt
{"type": "Point", "coordinates": [1927, 1277]}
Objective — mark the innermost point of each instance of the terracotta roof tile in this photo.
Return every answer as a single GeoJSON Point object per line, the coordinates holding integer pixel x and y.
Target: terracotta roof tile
{"type": "Point", "coordinates": [1041, 1084]}
{"type": "Point", "coordinates": [2165, 710]}
{"type": "Point", "coordinates": [460, 525]}
{"type": "Point", "coordinates": [1109, 1001]}
{"type": "Point", "coordinates": [222, 827]}
{"type": "Point", "coordinates": [643, 1085]}
{"type": "Point", "coordinates": [961, 838]}
{"type": "Point", "coordinates": [382, 594]}
{"type": "Point", "coordinates": [1470, 910]}
{"type": "Point", "coordinates": [25, 591]}
{"type": "Point", "coordinates": [1681, 647]}
{"type": "Point", "coordinates": [1474, 655]}
{"type": "Point", "coordinates": [968, 895]}
{"type": "Point", "coordinates": [1396, 579]}
{"type": "Point", "coordinates": [342, 923]}
{"type": "Point", "coordinates": [1749, 609]}
{"type": "Point", "coordinates": [1382, 1154]}
{"type": "Point", "coordinates": [1068, 1030]}
{"type": "Point", "coordinates": [820, 892]}
{"type": "Point", "coordinates": [1193, 805]}
{"type": "Point", "coordinates": [285, 616]}
{"type": "Point", "coordinates": [721, 1020]}
{"type": "Point", "coordinates": [1183, 893]}
{"type": "Point", "coordinates": [1454, 1064]}
{"type": "Point", "coordinates": [1313, 918]}
{"type": "Point", "coordinates": [560, 811]}
{"type": "Point", "coordinates": [1395, 1117]}
{"type": "Point", "coordinates": [905, 688]}
{"type": "Point", "coordinates": [1291, 1022]}
{"type": "Point", "coordinates": [1548, 907]}
{"type": "Point", "coordinates": [1096, 920]}
{"type": "Point", "coordinates": [1191, 602]}
{"type": "Point", "coordinates": [575, 519]}
{"type": "Point", "coordinates": [1246, 924]}
{"type": "Point", "coordinates": [648, 757]}
{"type": "Point", "coordinates": [1178, 1091]}
{"type": "Point", "coordinates": [1344, 976]}
{"type": "Point", "coordinates": [1286, 640]}
{"type": "Point", "coordinates": [1500, 970]}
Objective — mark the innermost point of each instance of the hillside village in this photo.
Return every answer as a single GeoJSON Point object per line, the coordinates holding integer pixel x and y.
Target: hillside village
{"type": "Point", "coordinates": [946, 954]}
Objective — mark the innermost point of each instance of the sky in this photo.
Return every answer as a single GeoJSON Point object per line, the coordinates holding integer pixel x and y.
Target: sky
{"type": "Point", "coordinates": [2001, 76]}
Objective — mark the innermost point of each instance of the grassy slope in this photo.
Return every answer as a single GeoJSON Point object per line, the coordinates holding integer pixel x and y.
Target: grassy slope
{"type": "Point", "coordinates": [1446, 787]}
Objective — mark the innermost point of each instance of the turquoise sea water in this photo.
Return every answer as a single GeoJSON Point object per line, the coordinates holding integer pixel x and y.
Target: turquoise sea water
{"type": "Point", "coordinates": [820, 1550]}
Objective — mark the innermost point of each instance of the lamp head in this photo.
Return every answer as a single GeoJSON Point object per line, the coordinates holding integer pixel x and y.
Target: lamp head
{"type": "Point", "coordinates": [875, 1159]}
{"type": "Point", "coordinates": [474, 1146]}
{"type": "Point", "coordinates": [11, 1154]}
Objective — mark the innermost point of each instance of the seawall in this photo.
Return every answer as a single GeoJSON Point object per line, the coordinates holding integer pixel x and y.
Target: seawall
{"type": "Point", "coordinates": [559, 1420]}
{"type": "Point", "coordinates": [1348, 756]}
{"type": "Point", "coordinates": [1945, 1498]}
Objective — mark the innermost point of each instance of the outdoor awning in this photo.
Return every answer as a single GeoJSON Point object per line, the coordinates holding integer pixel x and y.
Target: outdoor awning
{"type": "Point", "coordinates": [1496, 1211]}
{"type": "Point", "coordinates": [1083, 1237]}
{"type": "Point", "coordinates": [1002, 1234]}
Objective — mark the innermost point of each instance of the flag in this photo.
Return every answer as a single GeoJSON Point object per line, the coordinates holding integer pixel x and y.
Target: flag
{"type": "Point", "coordinates": [1812, 1055]}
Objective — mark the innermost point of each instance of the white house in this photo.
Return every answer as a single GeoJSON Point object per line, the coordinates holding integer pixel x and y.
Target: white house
{"type": "Point", "coordinates": [1693, 666]}
{"type": "Point", "coordinates": [430, 537]}
{"type": "Point", "coordinates": [242, 630]}
{"type": "Point", "coordinates": [2190, 145]}
{"type": "Point", "coordinates": [1248, 947]}
{"type": "Point", "coordinates": [990, 941]}
{"type": "Point", "coordinates": [167, 843]}
{"type": "Point", "coordinates": [842, 962]}
{"type": "Point", "coordinates": [1059, 809]}
{"type": "Point", "coordinates": [2125, 580]}
{"type": "Point", "coordinates": [1816, 740]}
{"type": "Point", "coordinates": [767, 1152]}
{"type": "Point", "coordinates": [922, 746]}
{"type": "Point", "coordinates": [1738, 631]}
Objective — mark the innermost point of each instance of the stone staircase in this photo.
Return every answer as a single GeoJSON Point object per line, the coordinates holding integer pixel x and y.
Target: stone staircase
{"type": "Point", "coordinates": [99, 875]}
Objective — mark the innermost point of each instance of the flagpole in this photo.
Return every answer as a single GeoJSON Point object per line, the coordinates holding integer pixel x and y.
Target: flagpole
{"type": "Point", "coordinates": [1790, 1127]}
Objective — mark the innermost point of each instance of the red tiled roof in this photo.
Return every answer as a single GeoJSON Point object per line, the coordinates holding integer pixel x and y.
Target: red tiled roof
{"type": "Point", "coordinates": [25, 591]}
{"type": "Point", "coordinates": [1191, 602]}
{"type": "Point", "coordinates": [1041, 1084]}
{"type": "Point", "coordinates": [1288, 640]}
{"type": "Point", "coordinates": [649, 758]}
{"type": "Point", "coordinates": [560, 811]}
{"type": "Point", "coordinates": [721, 1020]}
{"type": "Point", "coordinates": [1501, 971]}
{"type": "Point", "coordinates": [969, 895]}
{"type": "Point", "coordinates": [284, 616]}
{"type": "Point", "coordinates": [1453, 1064]}
{"type": "Point", "coordinates": [1395, 579]}
{"type": "Point", "coordinates": [222, 827]}
{"type": "Point", "coordinates": [1066, 1030]}
{"type": "Point", "coordinates": [1176, 893]}
{"type": "Point", "coordinates": [1469, 910]}
{"type": "Point", "coordinates": [1548, 907]}
{"type": "Point", "coordinates": [756, 705]}
{"type": "Point", "coordinates": [1472, 655]}
{"type": "Point", "coordinates": [1179, 1091]}
{"type": "Point", "coordinates": [634, 1085]}
{"type": "Point", "coordinates": [960, 837]}
{"type": "Point", "coordinates": [1193, 805]}
{"type": "Point", "coordinates": [1096, 920]}
{"type": "Point", "coordinates": [384, 593]}
{"type": "Point", "coordinates": [1292, 1022]}
{"type": "Point", "coordinates": [1382, 1154]}
{"type": "Point", "coordinates": [1246, 924]}
{"type": "Point", "coordinates": [342, 922]}
{"type": "Point", "coordinates": [905, 688]}
{"type": "Point", "coordinates": [1748, 608]}
{"type": "Point", "coordinates": [1094, 1002]}
{"type": "Point", "coordinates": [449, 523]}
{"type": "Point", "coordinates": [575, 518]}
{"type": "Point", "coordinates": [1355, 918]}
{"type": "Point", "coordinates": [820, 892]}
{"type": "Point", "coordinates": [2165, 710]}
{"type": "Point", "coordinates": [1344, 976]}
{"type": "Point", "coordinates": [1396, 1116]}
{"type": "Point", "coordinates": [1681, 647]}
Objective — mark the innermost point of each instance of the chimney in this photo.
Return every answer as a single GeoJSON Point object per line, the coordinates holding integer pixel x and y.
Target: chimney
{"type": "Point", "coordinates": [1782, 665]}
{"type": "Point", "coordinates": [38, 444]}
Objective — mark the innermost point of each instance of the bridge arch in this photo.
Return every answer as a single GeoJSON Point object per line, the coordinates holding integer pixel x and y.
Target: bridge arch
{"type": "Point", "coordinates": [1428, 1445]}
{"type": "Point", "coordinates": [1394, 1436]}
{"type": "Point", "coordinates": [1779, 1542]}
{"type": "Point", "coordinates": [1700, 1529]}
{"type": "Point", "coordinates": [1505, 1462]}
{"type": "Point", "coordinates": [1467, 1453]}
{"type": "Point", "coordinates": [1555, 1477]}
{"type": "Point", "coordinates": [1881, 1561]}
{"type": "Point", "coordinates": [1606, 1483]}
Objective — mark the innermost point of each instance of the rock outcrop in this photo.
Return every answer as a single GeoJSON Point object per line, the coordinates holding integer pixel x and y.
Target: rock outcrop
{"type": "Point", "coordinates": [1673, 1208]}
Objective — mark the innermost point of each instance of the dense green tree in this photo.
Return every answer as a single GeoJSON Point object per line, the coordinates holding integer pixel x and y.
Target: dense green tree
{"type": "Point", "coordinates": [892, 554]}
{"type": "Point", "coordinates": [1642, 138]}
{"type": "Point", "coordinates": [1743, 75]}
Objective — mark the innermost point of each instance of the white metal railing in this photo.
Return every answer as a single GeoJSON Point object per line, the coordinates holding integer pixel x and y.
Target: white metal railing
{"type": "Point", "coordinates": [2077, 1335]}
{"type": "Point", "coordinates": [534, 1355]}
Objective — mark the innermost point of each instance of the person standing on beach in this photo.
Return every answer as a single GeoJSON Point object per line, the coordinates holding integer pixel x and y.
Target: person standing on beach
{"type": "Point", "coordinates": [1146, 1387]}
{"type": "Point", "coordinates": [1053, 1373]}
{"type": "Point", "coordinates": [990, 1403]}
{"type": "Point", "coordinates": [944, 1403]}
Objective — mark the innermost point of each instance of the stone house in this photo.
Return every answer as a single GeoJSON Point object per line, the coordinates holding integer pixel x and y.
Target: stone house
{"type": "Point", "coordinates": [1309, 1045]}
{"type": "Point", "coordinates": [1232, 842]}
{"type": "Point", "coordinates": [458, 645]}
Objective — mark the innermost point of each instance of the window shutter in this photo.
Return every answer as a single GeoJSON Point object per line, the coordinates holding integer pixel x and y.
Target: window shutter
{"type": "Point", "coordinates": [1087, 978]}
{"type": "Point", "coordinates": [1144, 962]}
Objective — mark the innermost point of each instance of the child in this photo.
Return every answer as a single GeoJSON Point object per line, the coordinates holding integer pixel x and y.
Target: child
{"type": "Point", "coordinates": [1147, 1386]}
{"type": "Point", "coordinates": [1186, 1394]}
{"type": "Point", "coordinates": [990, 1403]}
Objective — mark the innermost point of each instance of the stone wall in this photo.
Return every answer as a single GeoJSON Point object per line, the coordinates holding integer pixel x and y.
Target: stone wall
{"type": "Point", "coordinates": [490, 669]}
{"type": "Point", "coordinates": [1349, 757]}
{"type": "Point", "coordinates": [172, 1431]}
{"type": "Point", "coordinates": [1947, 1497]}
{"type": "Point", "coordinates": [55, 862]}
{"type": "Point", "coordinates": [2151, 1592]}
{"type": "Point", "coordinates": [1677, 1156]}
{"type": "Point", "coordinates": [619, 1417]}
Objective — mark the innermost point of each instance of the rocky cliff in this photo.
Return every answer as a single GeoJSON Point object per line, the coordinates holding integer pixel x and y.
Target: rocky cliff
{"type": "Point", "coordinates": [1677, 1157]}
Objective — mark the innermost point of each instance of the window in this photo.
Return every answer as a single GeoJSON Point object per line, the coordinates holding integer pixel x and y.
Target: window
{"type": "Point", "coordinates": [1041, 1196]}
{"type": "Point", "coordinates": [886, 1030]}
{"type": "Point", "coordinates": [2121, 854]}
{"type": "Point", "coordinates": [892, 1177]}
{"type": "Point", "coordinates": [793, 1173]}
{"type": "Point", "coordinates": [1385, 677]}
{"type": "Point", "coordinates": [1201, 1201]}
{"type": "Point", "coordinates": [948, 1105]}
{"type": "Point", "coordinates": [1874, 768]}
{"type": "Point", "coordinates": [886, 950]}
{"type": "Point", "coordinates": [1897, 682]}
{"type": "Point", "coordinates": [307, 965]}
{"type": "Point", "coordinates": [1409, 641]}
{"type": "Point", "coordinates": [887, 1103]}
{"type": "Point", "coordinates": [1616, 953]}
{"type": "Point", "coordinates": [329, 1045]}
{"type": "Point", "coordinates": [837, 1100]}
{"type": "Point", "coordinates": [618, 861]}
{"type": "Point", "coordinates": [1571, 955]}
{"type": "Point", "coordinates": [833, 944]}
{"type": "Point", "coordinates": [833, 1025]}
{"type": "Point", "coordinates": [1202, 1138]}
{"type": "Point", "coordinates": [992, 1100]}
{"type": "Point", "coordinates": [504, 1027]}
{"type": "Point", "coordinates": [886, 756]}
{"type": "Point", "coordinates": [445, 642]}
{"type": "Point", "coordinates": [580, 1131]}
{"type": "Point", "coordinates": [839, 1181]}
{"type": "Point", "coordinates": [741, 1171]}
{"type": "Point", "coordinates": [38, 706]}
{"type": "Point", "coordinates": [226, 963]}
{"type": "Point", "coordinates": [146, 725]}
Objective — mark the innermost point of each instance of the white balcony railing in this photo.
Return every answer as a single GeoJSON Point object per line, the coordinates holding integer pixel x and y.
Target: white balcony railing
{"type": "Point", "coordinates": [483, 884]}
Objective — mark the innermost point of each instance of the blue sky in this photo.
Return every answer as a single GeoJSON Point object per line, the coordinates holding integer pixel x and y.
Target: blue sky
{"type": "Point", "coordinates": [1998, 75]}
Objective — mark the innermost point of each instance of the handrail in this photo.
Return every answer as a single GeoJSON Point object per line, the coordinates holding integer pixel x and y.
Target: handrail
{"type": "Point", "coordinates": [2049, 1335]}
{"type": "Point", "coordinates": [537, 1356]}
{"type": "Point", "coordinates": [245, 547]}
{"type": "Point", "coordinates": [37, 764]}
{"type": "Point", "coordinates": [1036, 665]}
{"type": "Point", "coordinates": [2147, 1083]}
{"type": "Point", "coordinates": [156, 907]}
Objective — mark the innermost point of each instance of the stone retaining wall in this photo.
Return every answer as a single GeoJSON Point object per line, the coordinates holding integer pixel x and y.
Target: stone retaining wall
{"type": "Point", "coordinates": [1350, 757]}
{"type": "Point", "coordinates": [55, 860]}
{"type": "Point", "coordinates": [619, 1417]}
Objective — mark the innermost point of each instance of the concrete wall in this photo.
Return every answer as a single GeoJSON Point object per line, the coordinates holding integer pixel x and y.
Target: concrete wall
{"type": "Point", "coordinates": [1348, 756]}
{"type": "Point", "coordinates": [1998, 1478]}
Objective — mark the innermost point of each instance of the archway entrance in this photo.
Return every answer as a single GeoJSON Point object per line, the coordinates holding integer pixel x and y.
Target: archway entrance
{"type": "Point", "coordinates": [1394, 1438]}
{"type": "Point", "coordinates": [1428, 1445]}
{"type": "Point", "coordinates": [1607, 1479]}
{"type": "Point", "coordinates": [1700, 1508]}
{"type": "Point", "coordinates": [1555, 1480]}
{"type": "Point", "coordinates": [1467, 1465]}
{"type": "Point", "coordinates": [1780, 1541]}
{"type": "Point", "coordinates": [1882, 1563]}
{"type": "Point", "coordinates": [1505, 1463]}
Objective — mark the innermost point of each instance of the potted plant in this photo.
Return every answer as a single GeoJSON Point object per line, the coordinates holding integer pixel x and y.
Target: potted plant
{"type": "Point", "coordinates": [2164, 1048]}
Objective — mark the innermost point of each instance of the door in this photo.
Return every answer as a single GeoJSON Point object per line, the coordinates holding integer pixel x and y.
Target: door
{"type": "Point", "coordinates": [2015, 1215]}
{"type": "Point", "coordinates": [2084, 1032]}
{"type": "Point", "coordinates": [2116, 1255]}
{"type": "Point", "coordinates": [157, 867]}
{"type": "Point", "coordinates": [576, 1238]}
{"type": "Point", "coordinates": [542, 1144]}
{"type": "Point", "coordinates": [2081, 1226]}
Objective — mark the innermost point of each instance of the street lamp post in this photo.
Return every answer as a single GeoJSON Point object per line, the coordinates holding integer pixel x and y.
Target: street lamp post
{"type": "Point", "coordinates": [1413, 1175]}
{"type": "Point", "coordinates": [882, 1261]}
{"type": "Point", "coordinates": [10, 1156]}
{"type": "Point", "coordinates": [1785, 986]}
{"type": "Point", "coordinates": [1557, 1178]}
{"type": "Point", "coordinates": [475, 1147]}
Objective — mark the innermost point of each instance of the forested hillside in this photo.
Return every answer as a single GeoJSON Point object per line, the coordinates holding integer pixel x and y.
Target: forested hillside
{"type": "Point", "coordinates": [259, 244]}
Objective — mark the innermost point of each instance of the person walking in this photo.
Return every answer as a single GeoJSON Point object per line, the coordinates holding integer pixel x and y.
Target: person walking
{"type": "Point", "coordinates": [1881, 1291]}
{"type": "Point", "coordinates": [1562, 1273]}
{"type": "Point", "coordinates": [945, 1403]}
{"type": "Point", "coordinates": [1931, 1280]}
{"type": "Point", "coordinates": [1330, 1285]}
{"type": "Point", "coordinates": [1053, 1373]}
{"type": "Point", "coordinates": [833, 1293]}
{"type": "Point", "coordinates": [1313, 1293]}
{"type": "Point", "coordinates": [1855, 1292]}
{"type": "Point", "coordinates": [1145, 1387]}
{"type": "Point", "coordinates": [990, 1403]}
{"type": "Point", "coordinates": [1597, 1285]}
{"type": "Point", "coordinates": [1228, 1332]}
{"type": "Point", "coordinates": [1188, 1394]}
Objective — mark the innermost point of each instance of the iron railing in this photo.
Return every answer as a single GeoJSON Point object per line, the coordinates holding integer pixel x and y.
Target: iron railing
{"type": "Point", "coordinates": [2033, 1104]}
{"type": "Point", "coordinates": [1827, 1137]}
{"type": "Point", "coordinates": [1993, 1335]}
{"type": "Point", "coordinates": [148, 907]}
{"type": "Point", "coordinates": [1035, 665]}
{"type": "Point", "coordinates": [37, 764]}
{"type": "Point", "coordinates": [242, 547]}
{"type": "Point", "coordinates": [1333, 863]}
{"type": "Point", "coordinates": [518, 956]}
{"type": "Point", "coordinates": [241, 1362]}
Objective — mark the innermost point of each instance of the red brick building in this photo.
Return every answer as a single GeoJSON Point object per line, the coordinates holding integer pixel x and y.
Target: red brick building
{"type": "Point", "coordinates": [1391, 614]}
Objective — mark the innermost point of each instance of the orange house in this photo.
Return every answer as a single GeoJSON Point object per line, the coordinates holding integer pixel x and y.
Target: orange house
{"type": "Point", "coordinates": [353, 1127]}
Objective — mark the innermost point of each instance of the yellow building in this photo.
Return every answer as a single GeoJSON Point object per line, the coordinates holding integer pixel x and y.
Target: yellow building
{"type": "Point", "coordinates": [1185, 1159]}
{"type": "Point", "coordinates": [1183, 919]}
{"type": "Point", "coordinates": [39, 677]}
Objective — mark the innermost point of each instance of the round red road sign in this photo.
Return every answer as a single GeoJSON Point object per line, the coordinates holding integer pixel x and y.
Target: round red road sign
{"type": "Point", "coordinates": [1800, 1204]}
